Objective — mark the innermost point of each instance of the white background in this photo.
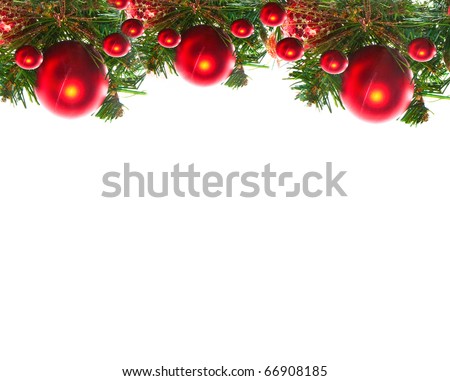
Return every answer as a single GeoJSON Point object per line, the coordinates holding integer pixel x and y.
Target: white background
{"type": "Point", "coordinates": [92, 285]}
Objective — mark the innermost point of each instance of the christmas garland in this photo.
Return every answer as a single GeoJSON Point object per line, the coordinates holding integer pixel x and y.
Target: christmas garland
{"type": "Point", "coordinates": [380, 59]}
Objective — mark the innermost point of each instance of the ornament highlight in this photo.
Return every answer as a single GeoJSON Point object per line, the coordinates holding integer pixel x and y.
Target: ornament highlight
{"type": "Point", "coordinates": [119, 4]}
{"type": "Point", "coordinates": [422, 50]}
{"type": "Point", "coordinates": [290, 49]}
{"type": "Point", "coordinates": [169, 38]}
{"type": "Point", "coordinates": [205, 56]}
{"type": "Point", "coordinates": [72, 80]}
{"type": "Point", "coordinates": [132, 28]}
{"type": "Point", "coordinates": [242, 28]}
{"type": "Point", "coordinates": [272, 14]}
{"type": "Point", "coordinates": [377, 85]}
{"type": "Point", "coordinates": [333, 62]}
{"type": "Point", "coordinates": [28, 57]}
{"type": "Point", "coordinates": [116, 45]}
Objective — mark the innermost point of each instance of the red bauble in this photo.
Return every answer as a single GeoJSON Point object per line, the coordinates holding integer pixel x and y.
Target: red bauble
{"type": "Point", "coordinates": [119, 4]}
{"type": "Point", "coordinates": [272, 14]}
{"type": "Point", "coordinates": [290, 49]}
{"type": "Point", "coordinates": [28, 57]}
{"type": "Point", "coordinates": [71, 81]}
{"type": "Point", "coordinates": [148, 11]}
{"type": "Point", "coordinates": [377, 85]}
{"type": "Point", "coordinates": [169, 38]}
{"type": "Point", "coordinates": [333, 62]}
{"type": "Point", "coordinates": [306, 22]}
{"type": "Point", "coordinates": [132, 28]}
{"type": "Point", "coordinates": [422, 50]}
{"type": "Point", "coordinates": [205, 56]}
{"type": "Point", "coordinates": [116, 45]}
{"type": "Point", "coordinates": [242, 28]}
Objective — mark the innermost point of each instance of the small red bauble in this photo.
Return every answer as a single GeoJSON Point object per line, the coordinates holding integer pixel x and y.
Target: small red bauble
{"type": "Point", "coordinates": [422, 50]}
{"type": "Point", "coordinates": [290, 49]}
{"type": "Point", "coordinates": [28, 57]}
{"type": "Point", "coordinates": [119, 4]}
{"type": "Point", "coordinates": [132, 28]}
{"type": "Point", "coordinates": [205, 56]}
{"type": "Point", "coordinates": [242, 28]}
{"type": "Point", "coordinates": [169, 38]}
{"type": "Point", "coordinates": [272, 14]}
{"type": "Point", "coordinates": [116, 45]}
{"type": "Point", "coordinates": [377, 85]}
{"type": "Point", "coordinates": [72, 80]}
{"type": "Point", "coordinates": [333, 62]}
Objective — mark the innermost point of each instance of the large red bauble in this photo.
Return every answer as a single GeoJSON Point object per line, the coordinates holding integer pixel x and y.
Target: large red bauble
{"type": "Point", "coordinates": [272, 14]}
{"type": "Point", "coordinates": [290, 49]}
{"type": "Point", "coordinates": [422, 50]}
{"type": "Point", "coordinates": [205, 56]}
{"type": "Point", "coordinates": [377, 85]}
{"type": "Point", "coordinates": [71, 81]}
{"type": "Point", "coordinates": [28, 57]}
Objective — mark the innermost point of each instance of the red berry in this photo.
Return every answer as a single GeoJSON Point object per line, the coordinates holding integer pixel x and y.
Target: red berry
{"type": "Point", "coordinates": [132, 28]}
{"type": "Point", "coordinates": [290, 49]}
{"type": "Point", "coordinates": [333, 62]}
{"type": "Point", "coordinates": [116, 45]}
{"type": "Point", "coordinates": [169, 38]}
{"type": "Point", "coordinates": [28, 57]}
{"type": "Point", "coordinates": [272, 14]}
{"type": "Point", "coordinates": [242, 28]}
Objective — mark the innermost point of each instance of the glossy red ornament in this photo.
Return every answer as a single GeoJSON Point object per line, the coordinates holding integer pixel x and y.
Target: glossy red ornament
{"type": "Point", "coordinates": [377, 85]}
{"type": "Point", "coordinates": [290, 49]}
{"type": "Point", "coordinates": [272, 14]}
{"type": "Point", "coordinates": [72, 80]}
{"type": "Point", "coordinates": [119, 4]}
{"type": "Point", "coordinates": [205, 56]}
{"type": "Point", "coordinates": [28, 57]}
{"type": "Point", "coordinates": [422, 50]}
{"type": "Point", "coordinates": [116, 45]}
{"type": "Point", "coordinates": [169, 38]}
{"type": "Point", "coordinates": [242, 28]}
{"type": "Point", "coordinates": [132, 28]}
{"type": "Point", "coordinates": [333, 62]}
